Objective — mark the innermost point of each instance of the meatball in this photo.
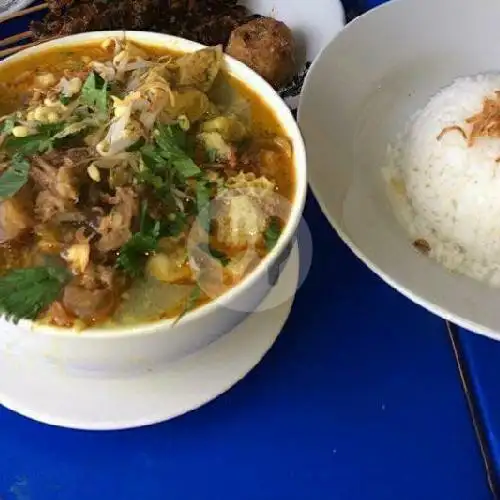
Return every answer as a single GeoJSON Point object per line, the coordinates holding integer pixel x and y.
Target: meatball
{"type": "Point", "coordinates": [267, 46]}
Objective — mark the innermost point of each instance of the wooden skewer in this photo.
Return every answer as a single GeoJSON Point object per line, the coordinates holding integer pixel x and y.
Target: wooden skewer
{"type": "Point", "coordinates": [13, 50]}
{"type": "Point", "coordinates": [15, 38]}
{"type": "Point", "coordinates": [24, 12]}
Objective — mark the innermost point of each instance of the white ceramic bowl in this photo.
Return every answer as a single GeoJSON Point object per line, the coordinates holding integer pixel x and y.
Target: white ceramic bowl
{"type": "Point", "coordinates": [358, 96]}
{"type": "Point", "coordinates": [141, 346]}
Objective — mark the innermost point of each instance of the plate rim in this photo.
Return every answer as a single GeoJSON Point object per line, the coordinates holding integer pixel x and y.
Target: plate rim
{"type": "Point", "coordinates": [315, 185]}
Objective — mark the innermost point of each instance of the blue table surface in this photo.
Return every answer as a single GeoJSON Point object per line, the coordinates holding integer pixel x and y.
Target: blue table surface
{"type": "Point", "coordinates": [359, 398]}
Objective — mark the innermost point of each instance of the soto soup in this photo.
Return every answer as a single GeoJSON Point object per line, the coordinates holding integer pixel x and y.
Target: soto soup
{"type": "Point", "coordinates": [136, 184]}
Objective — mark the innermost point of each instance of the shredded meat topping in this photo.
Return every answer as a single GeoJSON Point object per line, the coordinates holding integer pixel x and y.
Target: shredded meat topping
{"type": "Point", "coordinates": [115, 228]}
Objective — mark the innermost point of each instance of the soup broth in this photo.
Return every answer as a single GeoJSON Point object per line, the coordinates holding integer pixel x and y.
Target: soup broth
{"type": "Point", "coordinates": [137, 183]}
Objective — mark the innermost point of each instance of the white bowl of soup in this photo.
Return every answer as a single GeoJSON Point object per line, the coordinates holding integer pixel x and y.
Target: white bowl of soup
{"type": "Point", "coordinates": [150, 189]}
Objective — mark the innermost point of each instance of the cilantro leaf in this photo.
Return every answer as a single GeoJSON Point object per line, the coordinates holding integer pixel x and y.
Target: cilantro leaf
{"type": "Point", "coordinates": [94, 92]}
{"type": "Point", "coordinates": [15, 177]}
{"type": "Point", "coordinates": [171, 138]}
{"type": "Point", "coordinates": [153, 159]}
{"type": "Point", "coordinates": [186, 167]}
{"type": "Point", "coordinates": [50, 129]}
{"type": "Point", "coordinates": [64, 99]}
{"type": "Point", "coordinates": [25, 293]}
{"type": "Point", "coordinates": [172, 142]}
{"type": "Point", "coordinates": [272, 233]}
{"type": "Point", "coordinates": [7, 125]}
{"type": "Point", "coordinates": [136, 146]}
{"type": "Point", "coordinates": [175, 226]}
{"type": "Point", "coordinates": [30, 145]}
{"type": "Point", "coordinates": [133, 254]}
{"type": "Point", "coordinates": [38, 143]}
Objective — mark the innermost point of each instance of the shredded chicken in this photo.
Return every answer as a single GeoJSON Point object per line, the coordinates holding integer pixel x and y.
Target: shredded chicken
{"type": "Point", "coordinates": [115, 228]}
{"type": "Point", "coordinates": [57, 186]}
{"type": "Point", "coordinates": [15, 215]}
{"type": "Point", "coordinates": [78, 254]}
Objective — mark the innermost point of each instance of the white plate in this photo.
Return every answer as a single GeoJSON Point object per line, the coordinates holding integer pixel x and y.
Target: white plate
{"type": "Point", "coordinates": [358, 96]}
{"type": "Point", "coordinates": [9, 6]}
{"type": "Point", "coordinates": [45, 392]}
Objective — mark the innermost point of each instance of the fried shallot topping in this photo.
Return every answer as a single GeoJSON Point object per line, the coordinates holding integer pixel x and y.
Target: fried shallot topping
{"type": "Point", "coordinates": [422, 246]}
{"type": "Point", "coordinates": [486, 123]}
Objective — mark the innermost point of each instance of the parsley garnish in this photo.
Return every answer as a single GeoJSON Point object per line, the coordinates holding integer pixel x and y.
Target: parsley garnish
{"type": "Point", "coordinates": [15, 177]}
{"type": "Point", "coordinates": [272, 233]}
{"type": "Point", "coordinates": [95, 93]}
{"type": "Point", "coordinates": [25, 293]}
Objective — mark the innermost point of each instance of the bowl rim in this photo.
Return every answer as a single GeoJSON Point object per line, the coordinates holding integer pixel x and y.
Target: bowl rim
{"type": "Point", "coordinates": [282, 113]}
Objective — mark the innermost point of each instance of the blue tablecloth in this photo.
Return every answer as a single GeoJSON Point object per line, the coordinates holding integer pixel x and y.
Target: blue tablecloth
{"type": "Point", "coordinates": [359, 399]}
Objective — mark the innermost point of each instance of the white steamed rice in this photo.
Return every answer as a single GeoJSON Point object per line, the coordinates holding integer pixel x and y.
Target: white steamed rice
{"type": "Point", "coordinates": [446, 192]}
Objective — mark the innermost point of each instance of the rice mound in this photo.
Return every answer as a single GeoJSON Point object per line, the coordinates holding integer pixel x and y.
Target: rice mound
{"type": "Point", "coordinates": [445, 191]}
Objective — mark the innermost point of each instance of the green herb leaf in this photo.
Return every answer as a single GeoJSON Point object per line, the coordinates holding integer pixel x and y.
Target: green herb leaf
{"type": "Point", "coordinates": [38, 143]}
{"type": "Point", "coordinates": [191, 302]}
{"type": "Point", "coordinates": [152, 158]}
{"type": "Point", "coordinates": [136, 146]}
{"type": "Point", "coordinates": [64, 99]}
{"type": "Point", "coordinates": [186, 167]}
{"type": "Point", "coordinates": [171, 138]}
{"type": "Point", "coordinates": [95, 93]}
{"type": "Point", "coordinates": [50, 129]}
{"type": "Point", "coordinates": [172, 141]}
{"type": "Point", "coordinates": [272, 233]}
{"type": "Point", "coordinates": [25, 293]}
{"type": "Point", "coordinates": [173, 227]}
{"type": "Point", "coordinates": [15, 177]}
{"type": "Point", "coordinates": [7, 125]}
{"type": "Point", "coordinates": [30, 145]}
{"type": "Point", "coordinates": [133, 254]}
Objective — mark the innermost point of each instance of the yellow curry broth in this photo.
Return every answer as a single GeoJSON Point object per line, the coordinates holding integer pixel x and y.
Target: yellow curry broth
{"type": "Point", "coordinates": [18, 79]}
